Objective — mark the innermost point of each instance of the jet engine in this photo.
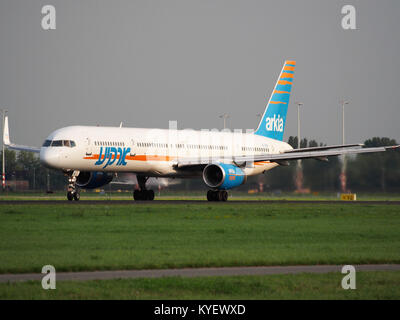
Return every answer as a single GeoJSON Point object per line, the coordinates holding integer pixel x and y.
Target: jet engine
{"type": "Point", "coordinates": [93, 179]}
{"type": "Point", "coordinates": [221, 176]}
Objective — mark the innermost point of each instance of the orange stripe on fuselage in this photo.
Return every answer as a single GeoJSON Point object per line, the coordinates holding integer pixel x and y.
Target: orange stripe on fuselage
{"type": "Point", "coordinates": [146, 157]}
{"type": "Point", "coordinates": [95, 157]}
{"type": "Point", "coordinates": [143, 157]}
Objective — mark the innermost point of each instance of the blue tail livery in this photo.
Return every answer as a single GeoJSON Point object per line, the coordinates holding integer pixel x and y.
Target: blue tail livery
{"type": "Point", "coordinates": [272, 124]}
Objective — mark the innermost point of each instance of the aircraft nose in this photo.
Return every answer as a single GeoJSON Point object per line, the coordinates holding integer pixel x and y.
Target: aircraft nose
{"type": "Point", "coordinates": [49, 158]}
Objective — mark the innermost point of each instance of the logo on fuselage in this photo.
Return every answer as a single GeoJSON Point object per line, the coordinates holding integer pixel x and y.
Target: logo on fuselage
{"type": "Point", "coordinates": [111, 154]}
{"type": "Point", "coordinates": [274, 124]}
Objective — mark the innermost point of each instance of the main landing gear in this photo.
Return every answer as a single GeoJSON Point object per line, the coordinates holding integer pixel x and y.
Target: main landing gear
{"type": "Point", "coordinates": [217, 195]}
{"type": "Point", "coordinates": [143, 193]}
{"type": "Point", "coordinates": [73, 191]}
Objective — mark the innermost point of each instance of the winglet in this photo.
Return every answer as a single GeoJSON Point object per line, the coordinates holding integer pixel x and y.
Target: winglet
{"type": "Point", "coordinates": [6, 132]}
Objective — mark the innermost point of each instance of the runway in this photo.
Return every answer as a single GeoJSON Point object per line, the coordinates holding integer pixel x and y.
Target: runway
{"type": "Point", "coordinates": [194, 272]}
{"type": "Point", "coordinates": [186, 202]}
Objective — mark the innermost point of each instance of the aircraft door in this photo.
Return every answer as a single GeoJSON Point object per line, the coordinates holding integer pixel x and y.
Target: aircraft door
{"type": "Point", "coordinates": [88, 146]}
{"type": "Point", "coordinates": [133, 148]}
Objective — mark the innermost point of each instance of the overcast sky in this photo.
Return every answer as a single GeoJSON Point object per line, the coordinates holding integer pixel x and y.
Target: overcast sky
{"type": "Point", "coordinates": [147, 62]}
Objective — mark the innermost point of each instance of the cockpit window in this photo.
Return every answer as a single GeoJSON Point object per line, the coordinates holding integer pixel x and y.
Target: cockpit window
{"type": "Point", "coordinates": [47, 143]}
{"type": "Point", "coordinates": [59, 143]}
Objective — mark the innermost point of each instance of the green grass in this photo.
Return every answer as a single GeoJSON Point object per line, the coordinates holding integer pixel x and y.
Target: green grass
{"type": "Point", "coordinates": [370, 285]}
{"type": "Point", "coordinates": [75, 237]}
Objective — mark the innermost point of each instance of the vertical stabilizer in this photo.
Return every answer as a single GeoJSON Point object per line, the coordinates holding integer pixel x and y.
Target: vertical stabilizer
{"type": "Point", "coordinates": [272, 124]}
{"type": "Point", "coordinates": [6, 133]}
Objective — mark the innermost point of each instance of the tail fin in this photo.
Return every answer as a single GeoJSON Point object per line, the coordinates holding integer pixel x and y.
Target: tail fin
{"type": "Point", "coordinates": [6, 132]}
{"type": "Point", "coordinates": [7, 142]}
{"type": "Point", "coordinates": [272, 124]}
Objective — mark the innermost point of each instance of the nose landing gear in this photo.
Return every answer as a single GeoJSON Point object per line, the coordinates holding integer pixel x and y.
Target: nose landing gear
{"type": "Point", "coordinates": [73, 191]}
{"type": "Point", "coordinates": [143, 193]}
{"type": "Point", "coordinates": [217, 195]}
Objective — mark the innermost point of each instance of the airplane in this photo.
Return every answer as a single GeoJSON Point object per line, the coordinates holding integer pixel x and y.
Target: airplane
{"type": "Point", "coordinates": [91, 156]}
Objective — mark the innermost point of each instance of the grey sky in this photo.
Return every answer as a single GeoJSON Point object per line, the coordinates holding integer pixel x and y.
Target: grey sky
{"type": "Point", "coordinates": [147, 62]}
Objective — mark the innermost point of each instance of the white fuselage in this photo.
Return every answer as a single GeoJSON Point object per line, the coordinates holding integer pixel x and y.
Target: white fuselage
{"type": "Point", "coordinates": [151, 152]}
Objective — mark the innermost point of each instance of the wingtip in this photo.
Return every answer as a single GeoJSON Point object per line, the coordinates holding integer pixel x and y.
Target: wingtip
{"type": "Point", "coordinates": [393, 147]}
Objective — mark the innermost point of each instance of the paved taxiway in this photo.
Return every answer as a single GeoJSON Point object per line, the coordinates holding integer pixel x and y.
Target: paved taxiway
{"type": "Point", "coordinates": [194, 272]}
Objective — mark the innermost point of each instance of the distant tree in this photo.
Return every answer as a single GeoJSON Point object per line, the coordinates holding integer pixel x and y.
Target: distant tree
{"type": "Point", "coordinates": [304, 143]}
{"type": "Point", "coordinates": [377, 171]}
{"type": "Point", "coordinates": [11, 160]}
{"type": "Point", "coordinates": [313, 143]}
{"type": "Point", "coordinates": [293, 142]}
{"type": "Point", "coordinates": [317, 175]}
{"type": "Point", "coordinates": [379, 142]}
{"type": "Point", "coordinates": [280, 178]}
{"type": "Point", "coordinates": [23, 165]}
{"type": "Point", "coordinates": [27, 160]}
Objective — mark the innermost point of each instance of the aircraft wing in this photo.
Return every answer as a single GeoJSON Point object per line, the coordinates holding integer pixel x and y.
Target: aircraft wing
{"type": "Point", "coordinates": [340, 146]}
{"type": "Point", "coordinates": [319, 153]}
{"type": "Point", "coordinates": [7, 142]}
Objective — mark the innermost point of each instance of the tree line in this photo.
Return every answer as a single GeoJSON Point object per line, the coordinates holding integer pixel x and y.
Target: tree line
{"type": "Point", "coordinates": [23, 165]}
{"type": "Point", "coordinates": [365, 172]}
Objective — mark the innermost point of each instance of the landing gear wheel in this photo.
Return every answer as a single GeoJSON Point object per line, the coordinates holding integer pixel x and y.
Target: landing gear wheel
{"type": "Point", "coordinates": [150, 195]}
{"type": "Point", "coordinates": [77, 196]}
{"type": "Point", "coordinates": [218, 195]}
{"type": "Point", "coordinates": [143, 195]}
{"type": "Point", "coordinates": [70, 196]}
{"type": "Point", "coordinates": [73, 191]}
{"type": "Point", "coordinates": [222, 195]}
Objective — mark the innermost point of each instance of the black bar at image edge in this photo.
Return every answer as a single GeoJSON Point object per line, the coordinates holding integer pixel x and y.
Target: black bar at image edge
{"type": "Point", "coordinates": [200, 309]}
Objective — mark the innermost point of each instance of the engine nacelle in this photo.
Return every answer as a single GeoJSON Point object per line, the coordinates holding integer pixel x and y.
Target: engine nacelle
{"type": "Point", "coordinates": [93, 179]}
{"type": "Point", "coordinates": [223, 176]}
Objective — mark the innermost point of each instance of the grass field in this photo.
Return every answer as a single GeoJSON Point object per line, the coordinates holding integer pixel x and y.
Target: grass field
{"type": "Point", "coordinates": [370, 285]}
{"type": "Point", "coordinates": [100, 237]}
